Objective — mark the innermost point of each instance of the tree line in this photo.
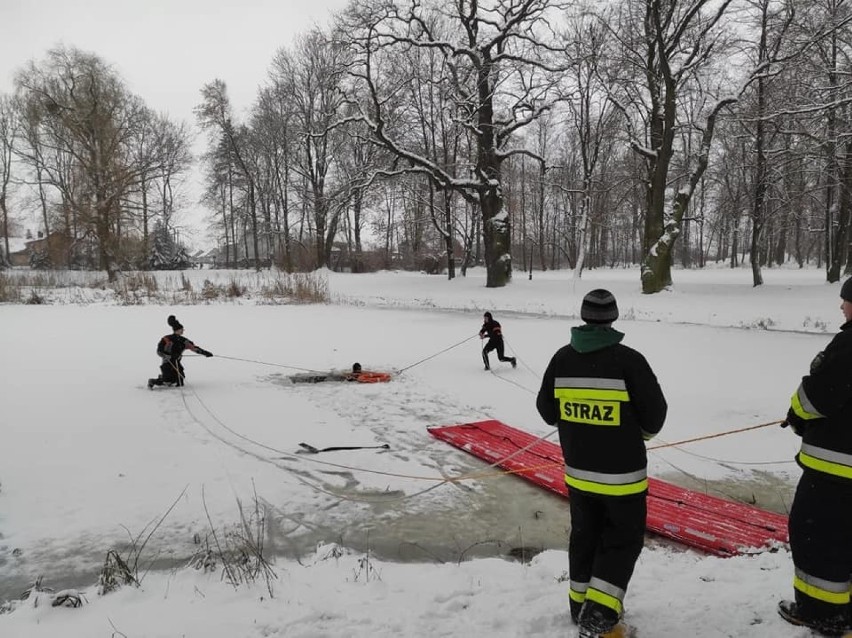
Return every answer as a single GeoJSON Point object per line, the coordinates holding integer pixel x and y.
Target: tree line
{"type": "Point", "coordinates": [517, 134]}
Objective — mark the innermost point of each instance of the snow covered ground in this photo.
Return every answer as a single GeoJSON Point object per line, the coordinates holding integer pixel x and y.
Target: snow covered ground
{"type": "Point", "coordinates": [371, 542]}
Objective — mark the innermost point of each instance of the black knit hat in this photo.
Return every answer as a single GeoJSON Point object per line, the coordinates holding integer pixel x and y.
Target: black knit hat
{"type": "Point", "coordinates": [174, 323]}
{"type": "Point", "coordinates": [599, 307]}
{"type": "Point", "coordinates": [846, 290]}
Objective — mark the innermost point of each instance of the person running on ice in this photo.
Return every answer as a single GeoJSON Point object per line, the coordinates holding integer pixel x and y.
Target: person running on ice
{"type": "Point", "coordinates": [606, 402]}
{"type": "Point", "coordinates": [820, 523]}
{"type": "Point", "coordinates": [492, 330]}
{"type": "Point", "coordinates": [170, 350]}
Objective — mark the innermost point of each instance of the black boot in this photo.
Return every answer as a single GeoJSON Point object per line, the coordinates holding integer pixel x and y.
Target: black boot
{"type": "Point", "coordinates": [830, 626]}
{"type": "Point", "coordinates": [485, 360]}
{"type": "Point", "coordinates": [514, 362]}
{"type": "Point", "coordinates": [596, 620]}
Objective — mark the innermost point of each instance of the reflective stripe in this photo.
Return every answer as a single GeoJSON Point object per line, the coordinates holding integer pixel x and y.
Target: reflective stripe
{"type": "Point", "coordinates": [607, 484]}
{"type": "Point", "coordinates": [825, 590]}
{"type": "Point", "coordinates": [826, 461]}
{"type": "Point", "coordinates": [608, 479]}
{"type": "Point", "coordinates": [577, 591]}
{"type": "Point", "coordinates": [606, 594]}
{"type": "Point", "coordinates": [589, 382]}
{"type": "Point", "coordinates": [593, 407]}
{"type": "Point", "coordinates": [589, 400]}
{"type": "Point", "coordinates": [802, 405]}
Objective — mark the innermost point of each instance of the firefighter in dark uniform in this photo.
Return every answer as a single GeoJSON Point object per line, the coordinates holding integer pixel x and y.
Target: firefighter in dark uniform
{"type": "Point", "coordinates": [170, 350]}
{"type": "Point", "coordinates": [606, 402]}
{"type": "Point", "coordinates": [494, 332]}
{"type": "Point", "coordinates": [821, 516]}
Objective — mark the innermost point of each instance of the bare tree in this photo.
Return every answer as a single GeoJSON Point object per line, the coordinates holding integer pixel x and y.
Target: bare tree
{"type": "Point", "coordinates": [675, 42]}
{"type": "Point", "coordinates": [215, 113]}
{"type": "Point", "coordinates": [8, 132]}
{"type": "Point", "coordinates": [592, 116]}
{"type": "Point", "coordinates": [309, 78]}
{"type": "Point", "coordinates": [87, 122]}
{"type": "Point", "coordinates": [488, 48]}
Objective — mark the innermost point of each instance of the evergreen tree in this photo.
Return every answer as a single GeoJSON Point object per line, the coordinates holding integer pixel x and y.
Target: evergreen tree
{"type": "Point", "coordinates": [166, 252]}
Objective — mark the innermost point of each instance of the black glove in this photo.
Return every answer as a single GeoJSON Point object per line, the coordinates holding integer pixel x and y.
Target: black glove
{"type": "Point", "coordinates": [206, 353]}
{"type": "Point", "coordinates": [796, 423]}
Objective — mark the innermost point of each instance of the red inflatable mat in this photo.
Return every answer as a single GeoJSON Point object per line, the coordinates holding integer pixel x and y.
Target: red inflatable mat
{"type": "Point", "coordinates": [709, 523]}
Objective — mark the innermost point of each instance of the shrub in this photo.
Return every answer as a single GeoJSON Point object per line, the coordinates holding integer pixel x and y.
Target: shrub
{"type": "Point", "coordinates": [9, 291]}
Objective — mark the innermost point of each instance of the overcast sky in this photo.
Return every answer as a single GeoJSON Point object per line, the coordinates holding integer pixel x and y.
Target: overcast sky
{"type": "Point", "coordinates": [165, 50]}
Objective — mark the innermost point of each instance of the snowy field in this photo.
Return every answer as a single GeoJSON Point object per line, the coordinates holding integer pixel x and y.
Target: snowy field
{"type": "Point", "coordinates": [374, 542]}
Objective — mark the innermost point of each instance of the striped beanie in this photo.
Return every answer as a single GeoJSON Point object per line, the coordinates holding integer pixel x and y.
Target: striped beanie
{"type": "Point", "coordinates": [846, 290]}
{"type": "Point", "coordinates": [599, 307]}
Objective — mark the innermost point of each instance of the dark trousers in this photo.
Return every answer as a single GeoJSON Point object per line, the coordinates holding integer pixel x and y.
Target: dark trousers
{"type": "Point", "coordinates": [821, 540]}
{"type": "Point", "coordinates": [607, 536]}
{"type": "Point", "coordinates": [170, 372]}
{"type": "Point", "coordinates": [495, 343]}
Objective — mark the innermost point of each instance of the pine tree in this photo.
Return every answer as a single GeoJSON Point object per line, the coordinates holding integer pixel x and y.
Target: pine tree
{"type": "Point", "coordinates": [166, 253]}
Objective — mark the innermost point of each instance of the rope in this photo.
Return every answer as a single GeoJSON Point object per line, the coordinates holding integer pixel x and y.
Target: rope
{"type": "Point", "coordinates": [289, 367]}
{"type": "Point", "coordinates": [266, 363]}
{"type": "Point", "coordinates": [664, 445]}
{"type": "Point", "coordinates": [521, 361]}
{"type": "Point", "coordinates": [463, 477]}
{"type": "Point", "coordinates": [294, 456]}
{"type": "Point", "coordinates": [447, 349]}
{"type": "Point", "coordinates": [713, 436]}
{"type": "Point", "coordinates": [438, 481]}
{"type": "Point", "coordinates": [292, 472]}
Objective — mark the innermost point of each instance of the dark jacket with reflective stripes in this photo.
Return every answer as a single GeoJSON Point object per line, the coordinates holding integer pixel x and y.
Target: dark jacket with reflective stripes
{"type": "Point", "coordinates": [606, 401]}
{"type": "Point", "coordinates": [822, 404]}
{"type": "Point", "coordinates": [171, 347]}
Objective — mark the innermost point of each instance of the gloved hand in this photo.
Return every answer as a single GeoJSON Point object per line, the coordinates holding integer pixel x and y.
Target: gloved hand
{"type": "Point", "coordinates": [205, 353]}
{"type": "Point", "coordinates": [795, 422]}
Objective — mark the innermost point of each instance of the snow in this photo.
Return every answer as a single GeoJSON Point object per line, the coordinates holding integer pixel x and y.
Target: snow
{"type": "Point", "coordinates": [373, 542]}
{"type": "Point", "coordinates": [16, 244]}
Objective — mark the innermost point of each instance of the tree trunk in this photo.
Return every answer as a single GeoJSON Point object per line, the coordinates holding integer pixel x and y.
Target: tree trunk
{"type": "Point", "coordinates": [448, 235]}
{"type": "Point", "coordinates": [495, 230]}
{"type": "Point", "coordinates": [145, 235]}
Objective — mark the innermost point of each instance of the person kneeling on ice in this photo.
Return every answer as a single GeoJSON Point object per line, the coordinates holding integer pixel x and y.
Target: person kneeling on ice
{"type": "Point", "coordinates": [606, 402]}
{"type": "Point", "coordinates": [820, 522]}
{"type": "Point", "coordinates": [170, 350]}
{"type": "Point", "coordinates": [494, 332]}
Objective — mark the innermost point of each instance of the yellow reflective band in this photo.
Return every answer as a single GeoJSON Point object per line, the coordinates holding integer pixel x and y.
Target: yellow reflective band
{"type": "Point", "coordinates": [577, 596]}
{"type": "Point", "coordinates": [800, 410]}
{"type": "Point", "coordinates": [590, 412]}
{"type": "Point", "coordinates": [835, 598]}
{"type": "Point", "coordinates": [826, 467]}
{"type": "Point", "coordinates": [604, 599]}
{"type": "Point", "coordinates": [594, 487]}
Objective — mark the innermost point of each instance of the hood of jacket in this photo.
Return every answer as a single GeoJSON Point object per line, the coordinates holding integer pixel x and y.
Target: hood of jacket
{"type": "Point", "coordinates": [591, 337]}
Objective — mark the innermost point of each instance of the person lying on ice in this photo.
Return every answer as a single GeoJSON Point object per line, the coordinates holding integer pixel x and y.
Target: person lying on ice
{"type": "Point", "coordinates": [356, 372]}
{"type": "Point", "coordinates": [494, 332]}
{"type": "Point", "coordinates": [170, 350]}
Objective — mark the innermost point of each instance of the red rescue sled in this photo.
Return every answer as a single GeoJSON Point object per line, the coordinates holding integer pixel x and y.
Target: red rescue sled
{"type": "Point", "coordinates": [709, 523]}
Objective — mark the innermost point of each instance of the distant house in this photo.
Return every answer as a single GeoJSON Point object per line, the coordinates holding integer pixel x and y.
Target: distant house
{"type": "Point", "coordinates": [204, 258]}
{"type": "Point", "coordinates": [52, 249]}
{"type": "Point", "coordinates": [18, 255]}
